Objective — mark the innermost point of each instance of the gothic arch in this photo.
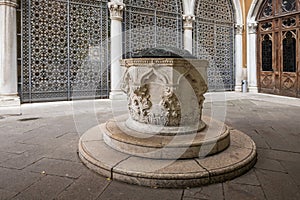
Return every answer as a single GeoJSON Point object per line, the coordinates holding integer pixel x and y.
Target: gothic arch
{"type": "Point", "coordinates": [189, 7]}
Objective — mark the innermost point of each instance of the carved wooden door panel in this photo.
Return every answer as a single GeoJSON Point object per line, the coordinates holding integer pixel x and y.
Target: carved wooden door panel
{"type": "Point", "coordinates": [288, 76]}
{"type": "Point", "coordinates": [279, 48]}
{"type": "Point", "coordinates": [266, 75]}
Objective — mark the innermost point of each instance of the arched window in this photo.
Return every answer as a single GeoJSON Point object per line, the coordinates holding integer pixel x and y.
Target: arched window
{"type": "Point", "coordinates": [278, 55]}
{"type": "Point", "coordinates": [214, 40]}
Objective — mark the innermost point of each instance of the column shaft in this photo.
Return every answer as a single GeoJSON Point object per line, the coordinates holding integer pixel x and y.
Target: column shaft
{"type": "Point", "coordinates": [188, 32]}
{"type": "Point", "coordinates": [238, 57]}
{"type": "Point", "coordinates": [116, 16]}
{"type": "Point", "coordinates": [251, 59]}
{"type": "Point", "coordinates": [8, 54]}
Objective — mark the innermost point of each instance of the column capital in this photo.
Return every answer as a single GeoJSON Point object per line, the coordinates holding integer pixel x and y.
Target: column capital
{"type": "Point", "coordinates": [188, 21]}
{"type": "Point", "coordinates": [239, 29]}
{"type": "Point", "coordinates": [252, 27]}
{"type": "Point", "coordinates": [10, 3]}
{"type": "Point", "coordinates": [116, 10]}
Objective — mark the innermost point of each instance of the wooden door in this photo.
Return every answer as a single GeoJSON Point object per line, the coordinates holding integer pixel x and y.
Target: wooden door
{"type": "Point", "coordinates": [279, 48]}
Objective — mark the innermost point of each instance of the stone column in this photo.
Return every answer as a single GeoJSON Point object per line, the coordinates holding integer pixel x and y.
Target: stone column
{"type": "Point", "coordinates": [238, 56]}
{"type": "Point", "coordinates": [251, 58]}
{"type": "Point", "coordinates": [116, 16]}
{"type": "Point", "coordinates": [8, 54]}
{"type": "Point", "coordinates": [188, 32]}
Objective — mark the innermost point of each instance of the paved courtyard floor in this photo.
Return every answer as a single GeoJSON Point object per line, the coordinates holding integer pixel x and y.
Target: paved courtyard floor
{"type": "Point", "coordinates": [38, 151]}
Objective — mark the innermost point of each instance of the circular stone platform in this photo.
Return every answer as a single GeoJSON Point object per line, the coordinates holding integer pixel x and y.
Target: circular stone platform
{"type": "Point", "coordinates": [213, 139]}
{"type": "Point", "coordinates": [238, 158]}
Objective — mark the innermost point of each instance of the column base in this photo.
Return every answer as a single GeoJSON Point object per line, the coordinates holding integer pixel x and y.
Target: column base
{"type": "Point", "coordinates": [253, 89]}
{"type": "Point", "coordinates": [238, 88]}
{"type": "Point", "coordinates": [10, 105]}
{"type": "Point", "coordinates": [117, 95]}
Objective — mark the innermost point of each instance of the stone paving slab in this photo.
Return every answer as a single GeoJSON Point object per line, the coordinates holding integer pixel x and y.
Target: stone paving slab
{"type": "Point", "coordinates": [17, 180]}
{"type": "Point", "coordinates": [232, 162]}
{"type": "Point", "coordinates": [214, 191]}
{"type": "Point", "coordinates": [243, 113]}
{"type": "Point", "coordinates": [88, 186]}
{"type": "Point", "coordinates": [55, 167]}
{"type": "Point", "coordinates": [244, 192]}
{"type": "Point", "coordinates": [278, 185]}
{"type": "Point", "coordinates": [123, 191]}
{"type": "Point", "coordinates": [49, 187]}
{"type": "Point", "coordinates": [5, 194]}
{"type": "Point", "coordinates": [293, 169]}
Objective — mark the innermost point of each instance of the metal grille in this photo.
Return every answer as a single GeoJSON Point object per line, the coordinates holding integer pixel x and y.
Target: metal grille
{"type": "Point", "coordinates": [214, 41]}
{"type": "Point", "coordinates": [64, 50]}
{"type": "Point", "coordinates": [151, 23]}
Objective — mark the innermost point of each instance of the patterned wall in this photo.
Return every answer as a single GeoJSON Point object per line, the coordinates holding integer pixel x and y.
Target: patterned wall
{"type": "Point", "coordinates": [214, 41]}
{"type": "Point", "coordinates": [151, 23]}
{"type": "Point", "coordinates": [65, 49]}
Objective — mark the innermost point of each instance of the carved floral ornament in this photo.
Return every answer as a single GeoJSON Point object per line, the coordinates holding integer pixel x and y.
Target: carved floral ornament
{"type": "Point", "coordinates": [140, 107]}
{"type": "Point", "coordinates": [167, 110]}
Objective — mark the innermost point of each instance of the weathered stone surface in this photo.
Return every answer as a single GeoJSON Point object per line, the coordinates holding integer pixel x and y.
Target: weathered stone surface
{"type": "Point", "coordinates": [269, 164]}
{"type": "Point", "coordinates": [5, 194]}
{"type": "Point", "coordinates": [17, 180]}
{"type": "Point", "coordinates": [56, 167]}
{"type": "Point", "coordinates": [245, 192]}
{"type": "Point", "coordinates": [165, 91]}
{"type": "Point", "coordinates": [292, 167]}
{"type": "Point", "coordinates": [99, 157]}
{"type": "Point", "coordinates": [87, 186]}
{"type": "Point", "coordinates": [239, 113]}
{"type": "Point", "coordinates": [233, 162]}
{"type": "Point", "coordinates": [4, 156]}
{"type": "Point", "coordinates": [25, 159]}
{"type": "Point", "coordinates": [122, 191]}
{"type": "Point", "coordinates": [94, 134]}
{"type": "Point", "coordinates": [228, 158]}
{"type": "Point", "coordinates": [207, 142]}
{"type": "Point", "coordinates": [278, 185]}
{"type": "Point", "coordinates": [248, 178]}
{"type": "Point", "coordinates": [48, 187]}
{"type": "Point", "coordinates": [210, 192]}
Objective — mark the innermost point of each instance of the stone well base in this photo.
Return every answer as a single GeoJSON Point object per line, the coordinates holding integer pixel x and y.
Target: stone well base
{"type": "Point", "coordinates": [213, 139]}
{"type": "Point", "coordinates": [238, 158]}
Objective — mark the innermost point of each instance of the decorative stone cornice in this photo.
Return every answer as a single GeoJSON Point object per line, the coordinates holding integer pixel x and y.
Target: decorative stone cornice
{"type": "Point", "coordinates": [116, 10]}
{"type": "Point", "coordinates": [188, 21]}
{"type": "Point", "coordinates": [239, 29]}
{"type": "Point", "coordinates": [252, 27]}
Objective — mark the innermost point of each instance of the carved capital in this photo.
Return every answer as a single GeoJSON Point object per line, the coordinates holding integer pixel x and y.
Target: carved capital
{"type": "Point", "coordinates": [116, 10]}
{"type": "Point", "coordinates": [188, 21]}
{"type": "Point", "coordinates": [239, 29]}
{"type": "Point", "coordinates": [11, 3]}
{"type": "Point", "coordinates": [252, 27]}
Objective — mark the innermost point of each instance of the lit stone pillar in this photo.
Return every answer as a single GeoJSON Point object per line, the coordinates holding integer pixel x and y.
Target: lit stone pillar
{"type": "Point", "coordinates": [238, 56]}
{"type": "Point", "coordinates": [251, 58]}
{"type": "Point", "coordinates": [116, 16]}
{"type": "Point", "coordinates": [188, 32]}
{"type": "Point", "coordinates": [8, 54]}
